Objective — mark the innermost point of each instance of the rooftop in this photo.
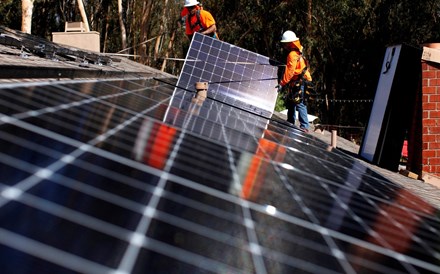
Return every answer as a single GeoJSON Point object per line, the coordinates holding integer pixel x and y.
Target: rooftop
{"type": "Point", "coordinates": [429, 192]}
{"type": "Point", "coordinates": [118, 170]}
{"type": "Point", "coordinates": [25, 58]}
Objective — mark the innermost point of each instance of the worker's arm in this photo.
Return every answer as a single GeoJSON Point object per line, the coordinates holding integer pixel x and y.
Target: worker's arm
{"type": "Point", "coordinates": [289, 73]}
{"type": "Point", "coordinates": [212, 29]}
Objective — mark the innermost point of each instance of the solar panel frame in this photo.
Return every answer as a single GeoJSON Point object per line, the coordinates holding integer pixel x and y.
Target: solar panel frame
{"type": "Point", "coordinates": [236, 76]}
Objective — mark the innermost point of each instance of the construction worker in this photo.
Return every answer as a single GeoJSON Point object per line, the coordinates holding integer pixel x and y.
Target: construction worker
{"type": "Point", "coordinates": [184, 12]}
{"type": "Point", "coordinates": [294, 79]}
{"type": "Point", "coordinates": [198, 20]}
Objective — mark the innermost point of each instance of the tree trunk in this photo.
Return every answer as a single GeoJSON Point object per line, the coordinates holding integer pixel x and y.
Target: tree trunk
{"type": "Point", "coordinates": [83, 15]}
{"type": "Point", "coordinates": [169, 49]}
{"type": "Point", "coordinates": [309, 25]}
{"type": "Point", "coordinates": [122, 25]}
{"type": "Point", "coordinates": [160, 36]}
{"type": "Point", "coordinates": [157, 45]}
{"type": "Point", "coordinates": [26, 19]}
{"type": "Point", "coordinates": [107, 27]}
{"type": "Point", "coordinates": [146, 10]}
{"type": "Point", "coordinates": [309, 16]}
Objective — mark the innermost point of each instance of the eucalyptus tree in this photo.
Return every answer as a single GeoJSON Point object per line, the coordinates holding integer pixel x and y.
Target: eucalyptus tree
{"type": "Point", "coordinates": [83, 13]}
{"type": "Point", "coordinates": [122, 25]}
{"type": "Point", "coordinates": [27, 7]}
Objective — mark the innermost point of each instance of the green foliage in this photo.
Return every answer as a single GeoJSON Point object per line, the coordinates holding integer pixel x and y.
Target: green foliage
{"type": "Point", "coordinates": [10, 11]}
{"type": "Point", "coordinates": [280, 105]}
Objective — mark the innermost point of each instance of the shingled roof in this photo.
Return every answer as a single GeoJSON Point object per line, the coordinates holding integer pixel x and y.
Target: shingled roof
{"type": "Point", "coordinates": [25, 57]}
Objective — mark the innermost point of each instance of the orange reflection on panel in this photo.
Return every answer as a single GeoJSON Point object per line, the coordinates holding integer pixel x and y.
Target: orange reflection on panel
{"type": "Point", "coordinates": [159, 145]}
{"type": "Point", "coordinates": [267, 151]}
{"type": "Point", "coordinates": [398, 238]}
{"type": "Point", "coordinates": [400, 211]}
{"type": "Point", "coordinates": [153, 143]}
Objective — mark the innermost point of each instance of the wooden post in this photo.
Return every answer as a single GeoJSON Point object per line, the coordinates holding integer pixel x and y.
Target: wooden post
{"type": "Point", "coordinates": [334, 138]}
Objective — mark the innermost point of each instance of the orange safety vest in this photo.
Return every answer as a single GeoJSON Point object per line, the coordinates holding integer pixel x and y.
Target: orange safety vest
{"type": "Point", "coordinates": [294, 68]}
{"type": "Point", "coordinates": [199, 22]}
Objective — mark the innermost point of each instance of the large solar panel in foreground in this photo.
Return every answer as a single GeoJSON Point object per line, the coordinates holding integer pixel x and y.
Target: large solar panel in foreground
{"type": "Point", "coordinates": [109, 177]}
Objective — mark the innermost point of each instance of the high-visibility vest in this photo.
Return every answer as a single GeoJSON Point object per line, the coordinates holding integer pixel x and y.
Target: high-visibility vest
{"type": "Point", "coordinates": [198, 26]}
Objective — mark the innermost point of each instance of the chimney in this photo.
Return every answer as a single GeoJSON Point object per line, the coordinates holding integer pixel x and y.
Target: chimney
{"type": "Point", "coordinates": [424, 153]}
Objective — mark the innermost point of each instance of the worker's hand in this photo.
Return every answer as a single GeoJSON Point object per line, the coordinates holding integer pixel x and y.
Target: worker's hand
{"type": "Point", "coordinates": [279, 88]}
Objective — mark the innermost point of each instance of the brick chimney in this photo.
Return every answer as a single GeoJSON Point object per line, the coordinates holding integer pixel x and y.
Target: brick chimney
{"type": "Point", "coordinates": [424, 152]}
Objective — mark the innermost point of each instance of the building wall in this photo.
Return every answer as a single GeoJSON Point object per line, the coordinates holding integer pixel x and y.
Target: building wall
{"type": "Point", "coordinates": [431, 117]}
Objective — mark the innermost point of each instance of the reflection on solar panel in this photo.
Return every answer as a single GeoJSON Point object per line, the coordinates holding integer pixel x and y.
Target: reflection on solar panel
{"type": "Point", "coordinates": [108, 176]}
{"type": "Point", "coordinates": [236, 76]}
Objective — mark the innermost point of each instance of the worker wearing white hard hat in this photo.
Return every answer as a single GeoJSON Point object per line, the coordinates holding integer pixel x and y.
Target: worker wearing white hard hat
{"type": "Point", "coordinates": [199, 20]}
{"type": "Point", "coordinates": [184, 13]}
{"type": "Point", "coordinates": [294, 78]}
{"type": "Point", "coordinates": [289, 36]}
{"type": "Point", "coordinates": [190, 3]}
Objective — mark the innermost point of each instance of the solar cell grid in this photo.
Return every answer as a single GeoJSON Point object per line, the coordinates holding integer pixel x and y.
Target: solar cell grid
{"type": "Point", "coordinates": [133, 176]}
{"type": "Point", "coordinates": [237, 76]}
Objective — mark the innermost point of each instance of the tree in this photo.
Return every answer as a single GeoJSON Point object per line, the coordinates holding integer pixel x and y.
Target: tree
{"type": "Point", "coordinates": [122, 25]}
{"type": "Point", "coordinates": [145, 18]}
{"type": "Point", "coordinates": [26, 22]}
{"type": "Point", "coordinates": [83, 15]}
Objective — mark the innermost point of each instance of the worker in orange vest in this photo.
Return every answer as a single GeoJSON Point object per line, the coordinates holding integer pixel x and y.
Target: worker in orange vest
{"type": "Point", "coordinates": [184, 12]}
{"type": "Point", "coordinates": [198, 20]}
{"type": "Point", "coordinates": [294, 80]}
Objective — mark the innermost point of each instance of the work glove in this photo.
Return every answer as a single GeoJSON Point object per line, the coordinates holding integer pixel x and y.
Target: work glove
{"type": "Point", "coordinates": [279, 88]}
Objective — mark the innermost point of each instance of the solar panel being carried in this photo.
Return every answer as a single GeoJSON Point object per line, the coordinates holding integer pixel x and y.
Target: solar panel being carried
{"type": "Point", "coordinates": [112, 177]}
{"type": "Point", "coordinates": [235, 76]}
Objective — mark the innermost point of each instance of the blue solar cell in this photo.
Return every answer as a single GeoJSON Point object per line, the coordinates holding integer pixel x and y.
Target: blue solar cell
{"type": "Point", "coordinates": [254, 75]}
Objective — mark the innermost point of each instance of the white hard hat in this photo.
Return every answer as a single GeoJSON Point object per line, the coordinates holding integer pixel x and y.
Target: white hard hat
{"type": "Point", "coordinates": [190, 3]}
{"type": "Point", "coordinates": [289, 36]}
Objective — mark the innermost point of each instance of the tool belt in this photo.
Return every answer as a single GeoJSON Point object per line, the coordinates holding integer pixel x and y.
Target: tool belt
{"type": "Point", "coordinates": [300, 91]}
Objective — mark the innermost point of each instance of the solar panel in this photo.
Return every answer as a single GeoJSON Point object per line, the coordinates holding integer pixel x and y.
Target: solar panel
{"type": "Point", "coordinates": [236, 76]}
{"type": "Point", "coordinates": [134, 176]}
